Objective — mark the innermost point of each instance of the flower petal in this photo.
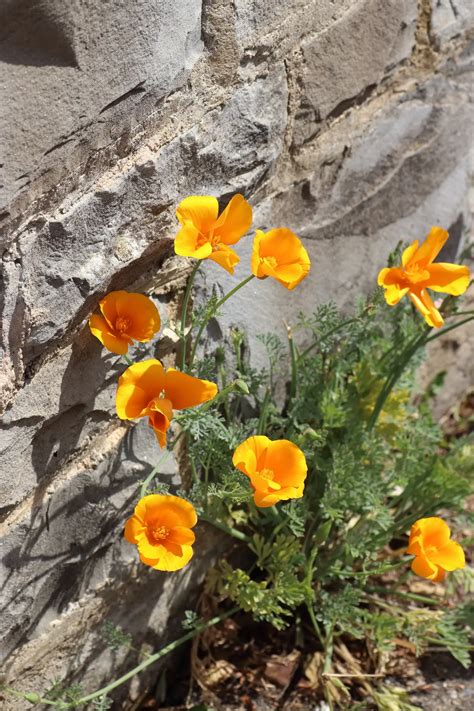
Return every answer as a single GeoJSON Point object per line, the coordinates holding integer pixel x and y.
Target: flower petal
{"type": "Point", "coordinates": [421, 566]}
{"type": "Point", "coordinates": [160, 413]}
{"type": "Point", "coordinates": [225, 257]}
{"type": "Point", "coordinates": [450, 556]}
{"type": "Point", "coordinates": [169, 562]}
{"type": "Point", "coordinates": [409, 252]}
{"type": "Point", "coordinates": [181, 536]}
{"type": "Point", "coordinates": [185, 391]}
{"type": "Point", "coordinates": [423, 302]}
{"type": "Point", "coordinates": [282, 244]}
{"type": "Point", "coordinates": [186, 243]}
{"type": "Point", "coordinates": [287, 461]}
{"type": "Point", "coordinates": [160, 435]}
{"type": "Point", "coordinates": [108, 306]}
{"type": "Point", "coordinates": [149, 549]}
{"type": "Point", "coordinates": [234, 221]}
{"type": "Point", "coordinates": [143, 315]}
{"type": "Point", "coordinates": [431, 247]}
{"type": "Point", "coordinates": [101, 329]}
{"type": "Point", "coordinates": [131, 401]}
{"type": "Point", "coordinates": [147, 376]}
{"type": "Point", "coordinates": [169, 511]}
{"type": "Point", "coordinates": [391, 276]}
{"type": "Point", "coordinates": [265, 499]}
{"type": "Point", "coordinates": [448, 278]}
{"type": "Point", "coordinates": [201, 210]}
{"type": "Point", "coordinates": [133, 529]}
{"type": "Point", "coordinates": [248, 453]}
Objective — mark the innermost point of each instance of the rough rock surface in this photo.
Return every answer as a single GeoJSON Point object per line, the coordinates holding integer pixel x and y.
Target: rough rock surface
{"type": "Point", "coordinates": [347, 120]}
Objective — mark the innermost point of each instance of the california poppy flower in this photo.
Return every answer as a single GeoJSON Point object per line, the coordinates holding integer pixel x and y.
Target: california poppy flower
{"type": "Point", "coordinates": [207, 235]}
{"type": "Point", "coordinates": [161, 529]}
{"type": "Point", "coordinates": [418, 273]}
{"type": "Point", "coordinates": [146, 389]}
{"type": "Point", "coordinates": [276, 469]}
{"type": "Point", "coordinates": [125, 317]}
{"type": "Point", "coordinates": [434, 552]}
{"type": "Point", "coordinates": [280, 254]}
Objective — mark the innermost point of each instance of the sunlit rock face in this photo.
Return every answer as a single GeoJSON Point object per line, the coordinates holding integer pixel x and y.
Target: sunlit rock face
{"type": "Point", "coordinates": [346, 121]}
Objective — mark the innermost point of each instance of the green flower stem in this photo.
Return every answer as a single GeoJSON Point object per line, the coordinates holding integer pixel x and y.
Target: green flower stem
{"type": "Point", "coordinates": [294, 366]}
{"type": "Point", "coordinates": [400, 593]}
{"type": "Point", "coordinates": [184, 314]}
{"type": "Point", "coordinates": [315, 624]}
{"type": "Point", "coordinates": [153, 473]}
{"type": "Point", "coordinates": [461, 313]}
{"type": "Point", "coordinates": [205, 321]}
{"type": "Point", "coordinates": [449, 328]}
{"type": "Point", "coordinates": [339, 327]}
{"type": "Point", "coordinates": [154, 658]}
{"type": "Point", "coordinates": [161, 461]}
{"type": "Point", "coordinates": [262, 420]}
{"type": "Point", "coordinates": [393, 377]}
{"type": "Point", "coordinates": [403, 361]}
{"type": "Point", "coordinates": [127, 359]}
{"type": "Point", "coordinates": [234, 532]}
{"type": "Point", "coordinates": [32, 697]}
{"type": "Point", "coordinates": [151, 659]}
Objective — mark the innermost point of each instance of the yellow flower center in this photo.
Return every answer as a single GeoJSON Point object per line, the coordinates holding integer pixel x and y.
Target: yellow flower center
{"type": "Point", "coordinates": [210, 238]}
{"type": "Point", "coordinates": [267, 474]}
{"type": "Point", "coordinates": [122, 324]}
{"type": "Point", "coordinates": [160, 533]}
{"type": "Point", "coordinates": [416, 273]}
{"type": "Point", "coordinates": [271, 261]}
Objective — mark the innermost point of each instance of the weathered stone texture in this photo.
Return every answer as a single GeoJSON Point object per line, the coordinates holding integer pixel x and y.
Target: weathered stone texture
{"type": "Point", "coordinates": [450, 19]}
{"type": "Point", "coordinates": [69, 65]}
{"type": "Point", "coordinates": [347, 120]}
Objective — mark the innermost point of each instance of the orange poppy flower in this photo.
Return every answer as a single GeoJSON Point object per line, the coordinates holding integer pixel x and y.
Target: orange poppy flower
{"type": "Point", "coordinates": [277, 470]}
{"type": "Point", "coordinates": [205, 235]}
{"type": "Point", "coordinates": [125, 318]}
{"type": "Point", "coordinates": [418, 273]}
{"type": "Point", "coordinates": [161, 529]}
{"type": "Point", "coordinates": [280, 254]}
{"type": "Point", "coordinates": [434, 552]}
{"type": "Point", "coordinates": [146, 389]}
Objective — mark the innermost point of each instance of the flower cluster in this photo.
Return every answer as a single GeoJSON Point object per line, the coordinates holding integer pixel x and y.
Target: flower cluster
{"type": "Point", "coordinates": [161, 525]}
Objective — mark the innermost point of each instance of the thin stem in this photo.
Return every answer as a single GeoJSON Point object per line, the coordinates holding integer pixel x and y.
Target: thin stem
{"type": "Point", "coordinates": [400, 593]}
{"type": "Point", "coordinates": [29, 697]}
{"type": "Point", "coordinates": [394, 376]}
{"type": "Point", "coordinates": [352, 676]}
{"type": "Point", "coordinates": [206, 320]}
{"type": "Point", "coordinates": [184, 313]}
{"type": "Point", "coordinates": [294, 366]}
{"type": "Point", "coordinates": [127, 359]}
{"type": "Point", "coordinates": [234, 532]}
{"type": "Point", "coordinates": [339, 327]}
{"type": "Point", "coordinates": [262, 420]}
{"type": "Point", "coordinates": [153, 658]}
{"type": "Point", "coordinates": [161, 461]}
{"type": "Point", "coordinates": [314, 622]}
{"type": "Point", "coordinates": [461, 313]}
{"type": "Point", "coordinates": [449, 328]}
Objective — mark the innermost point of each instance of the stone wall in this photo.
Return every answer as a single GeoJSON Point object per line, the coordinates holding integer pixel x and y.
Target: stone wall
{"type": "Point", "coordinates": [346, 120]}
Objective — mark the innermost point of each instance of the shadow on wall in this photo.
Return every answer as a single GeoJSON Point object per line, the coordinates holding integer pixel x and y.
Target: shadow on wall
{"type": "Point", "coordinates": [71, 541]}
{"type": "Point", "coordinates": [75, 533]}
{"type": "Point", "coordinates": [149, 607]}
{"type": "Point", "coordinates": [37, 33]}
